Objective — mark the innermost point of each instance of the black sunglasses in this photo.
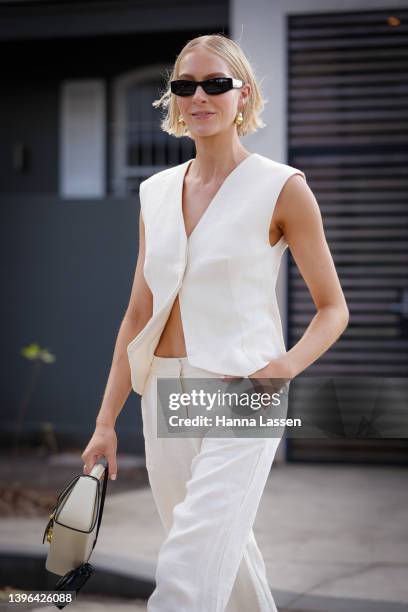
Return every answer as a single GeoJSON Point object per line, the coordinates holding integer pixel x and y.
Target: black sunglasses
{"type": "Point", "coordinates": [212, 87]}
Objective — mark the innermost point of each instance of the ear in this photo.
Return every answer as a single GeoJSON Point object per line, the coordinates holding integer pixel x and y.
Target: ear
{"type": "Point", "coordinates": [245, 92]}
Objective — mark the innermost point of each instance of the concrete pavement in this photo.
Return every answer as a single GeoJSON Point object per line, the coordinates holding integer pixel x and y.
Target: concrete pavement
{"type": "Point", "coordinates": [334, 537]}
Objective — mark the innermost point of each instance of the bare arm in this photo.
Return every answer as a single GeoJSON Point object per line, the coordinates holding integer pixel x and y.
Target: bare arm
{"type": "Point", "coordinates": [298, 216]}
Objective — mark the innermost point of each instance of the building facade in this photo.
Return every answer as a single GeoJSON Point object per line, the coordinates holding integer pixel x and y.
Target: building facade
{"type": "Point", "coordinates": [79, 133]}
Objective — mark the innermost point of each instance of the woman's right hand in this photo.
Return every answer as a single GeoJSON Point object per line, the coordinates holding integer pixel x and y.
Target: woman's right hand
{"type": "Point", "coordinates": [102, 444]}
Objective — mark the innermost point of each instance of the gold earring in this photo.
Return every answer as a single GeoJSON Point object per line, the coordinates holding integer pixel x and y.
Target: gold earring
{"type": "Point", "coordinates": [239, 118]}
{"type": "Point", "coordinates": [181, 120]}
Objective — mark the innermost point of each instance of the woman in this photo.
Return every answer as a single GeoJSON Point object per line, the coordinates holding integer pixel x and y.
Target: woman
{"type": "Point", "coordinates": [203, 305]}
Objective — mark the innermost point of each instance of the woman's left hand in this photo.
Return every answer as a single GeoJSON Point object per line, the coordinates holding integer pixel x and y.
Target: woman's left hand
{"type": "Point", "coordinates": [276, 368]}
{"type": "Point", "coordinates": [276, 372]}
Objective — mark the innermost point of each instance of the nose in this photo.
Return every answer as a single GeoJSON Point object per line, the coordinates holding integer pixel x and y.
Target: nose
{"type": "Point", "coordinates": [199, 93]}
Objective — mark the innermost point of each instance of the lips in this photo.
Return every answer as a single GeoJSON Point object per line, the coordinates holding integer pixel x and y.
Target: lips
{"type": "Point", "coordinates": [202, 114]}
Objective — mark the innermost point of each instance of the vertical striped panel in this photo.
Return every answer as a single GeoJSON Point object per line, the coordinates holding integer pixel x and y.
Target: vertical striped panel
{"type": "Point", "coordinates": [348, 130]}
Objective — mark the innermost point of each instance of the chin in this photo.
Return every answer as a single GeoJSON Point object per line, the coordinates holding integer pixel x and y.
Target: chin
{"type": "Point", "coordinates": [205, 132]}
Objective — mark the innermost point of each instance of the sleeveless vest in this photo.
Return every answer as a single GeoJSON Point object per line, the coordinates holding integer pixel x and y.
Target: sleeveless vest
{"type": "Point", "coordinates": [225, 272]}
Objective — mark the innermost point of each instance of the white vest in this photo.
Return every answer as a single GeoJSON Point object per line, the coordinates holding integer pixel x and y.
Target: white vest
{"type": "Point", "coordinates": [225, 272]}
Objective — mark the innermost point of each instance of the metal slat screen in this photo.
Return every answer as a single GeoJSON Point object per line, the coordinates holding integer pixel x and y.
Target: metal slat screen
{"type": "Point", "coordinates": [348, 131]}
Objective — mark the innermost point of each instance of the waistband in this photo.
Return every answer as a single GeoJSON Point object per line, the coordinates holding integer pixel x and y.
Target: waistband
{"type": "Point", "coordinates": [169, 364]}
{"type": "Point", "coordinates": [174, 366]}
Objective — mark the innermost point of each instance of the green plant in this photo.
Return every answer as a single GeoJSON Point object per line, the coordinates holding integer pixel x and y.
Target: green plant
{"type": "Point", "coordinates": [38, 356]}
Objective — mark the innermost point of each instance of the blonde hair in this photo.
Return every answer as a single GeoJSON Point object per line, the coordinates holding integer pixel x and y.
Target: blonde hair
{"type": "Point", "coordinates": [240, 68]}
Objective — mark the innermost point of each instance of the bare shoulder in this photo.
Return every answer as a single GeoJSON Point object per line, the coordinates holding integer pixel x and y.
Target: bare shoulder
{"type": "Point", "coordinates": [296, 204]}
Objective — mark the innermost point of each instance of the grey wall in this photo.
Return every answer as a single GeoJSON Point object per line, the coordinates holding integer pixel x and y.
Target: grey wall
{"type": "Point", "coordinates": [29, 115]}
{"type": "Point", "coordinates": [67, 269]}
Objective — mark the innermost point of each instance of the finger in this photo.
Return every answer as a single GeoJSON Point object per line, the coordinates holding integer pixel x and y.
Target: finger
{"type": "Point", "coordinates": [89, 463]}
{"type": "Point", "coordinates": [113, 468]}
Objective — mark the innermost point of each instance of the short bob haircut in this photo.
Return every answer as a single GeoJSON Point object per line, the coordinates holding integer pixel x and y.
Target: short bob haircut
{"type": "Point", "coordinates": [240, 68]}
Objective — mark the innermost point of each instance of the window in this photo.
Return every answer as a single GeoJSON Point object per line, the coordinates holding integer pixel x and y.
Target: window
{"type": "Point", "coordinates": [140, 147]}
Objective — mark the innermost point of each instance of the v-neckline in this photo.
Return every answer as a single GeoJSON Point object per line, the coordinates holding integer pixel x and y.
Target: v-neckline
{"type": "Point", "coordinates": [185, 167]}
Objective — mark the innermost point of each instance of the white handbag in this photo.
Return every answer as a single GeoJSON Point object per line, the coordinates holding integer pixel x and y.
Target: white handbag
{"type": "Point", "coordinates": [73, 526]}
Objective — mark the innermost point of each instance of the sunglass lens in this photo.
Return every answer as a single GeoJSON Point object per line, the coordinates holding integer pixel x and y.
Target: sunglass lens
{"type": "Point", "coordinates": [182, 88]}
{"type": "Point", "coordinates": [216, 86]}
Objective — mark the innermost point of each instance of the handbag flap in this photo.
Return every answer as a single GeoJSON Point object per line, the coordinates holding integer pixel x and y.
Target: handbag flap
{"type": "Point", "coordinates": [80, 508]}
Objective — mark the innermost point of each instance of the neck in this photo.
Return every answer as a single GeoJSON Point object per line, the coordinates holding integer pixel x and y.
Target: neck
{"type": "Point", "coordinates": [216, 158]}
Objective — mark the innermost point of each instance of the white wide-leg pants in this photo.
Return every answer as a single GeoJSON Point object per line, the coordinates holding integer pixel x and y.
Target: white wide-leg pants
{"type": "Point", "coordinates": [207, 491]}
